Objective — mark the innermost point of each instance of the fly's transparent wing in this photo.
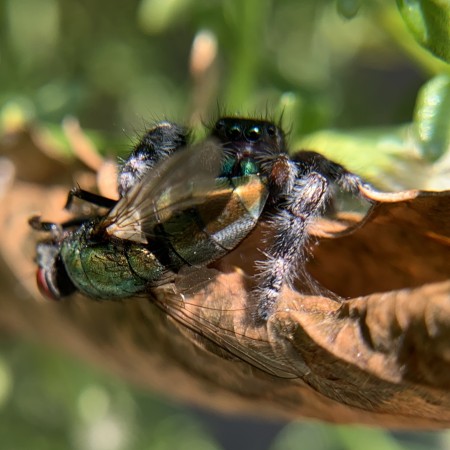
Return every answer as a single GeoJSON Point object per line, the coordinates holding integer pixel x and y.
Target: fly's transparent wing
{"type": "Point", "coordinates": [178, 183]}
{"type": "Point", "coordinates": [215, 316]}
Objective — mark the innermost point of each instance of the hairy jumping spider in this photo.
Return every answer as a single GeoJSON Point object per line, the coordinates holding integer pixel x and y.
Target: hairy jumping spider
{"type": "Point", "coordinates": [184, 205]}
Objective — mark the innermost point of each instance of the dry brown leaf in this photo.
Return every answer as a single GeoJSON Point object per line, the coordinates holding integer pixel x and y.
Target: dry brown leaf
{"type": "Point", "coordinates": [381, 356]}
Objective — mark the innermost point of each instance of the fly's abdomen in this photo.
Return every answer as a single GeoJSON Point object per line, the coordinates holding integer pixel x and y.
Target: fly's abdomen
{"type": "Point", "coordinates": [248, 195]}
{"type": "Point", "coordinates": [109, 270]}
{"type": "Point", "coordinates": [211, 229]}
{"type": "Point", "coordinates": [144, 264]}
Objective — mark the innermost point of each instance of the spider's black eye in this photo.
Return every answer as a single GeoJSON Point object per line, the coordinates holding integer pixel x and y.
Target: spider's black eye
{"type": "Point", "coordinates": [253, 133]}
{"type": "Point", "coordinates": [234, 132]}
{"type": "Point", "coordinates": [220, 125]}
{"type": "Point", "coordinates": [271, 130]}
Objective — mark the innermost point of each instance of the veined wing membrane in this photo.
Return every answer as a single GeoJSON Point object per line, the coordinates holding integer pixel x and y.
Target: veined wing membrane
{"type": "Point", "coordinates": [180, 182]}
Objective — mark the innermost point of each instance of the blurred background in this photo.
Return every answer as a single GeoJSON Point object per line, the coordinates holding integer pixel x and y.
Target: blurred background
{"type": "Point", "coordinates": [366, 82]}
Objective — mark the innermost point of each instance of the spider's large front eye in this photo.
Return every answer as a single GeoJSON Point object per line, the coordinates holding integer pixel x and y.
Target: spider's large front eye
{"type": "Point", "coordinates": [234, 132]}
{"type": "Point", "coordinates": [253, 134]}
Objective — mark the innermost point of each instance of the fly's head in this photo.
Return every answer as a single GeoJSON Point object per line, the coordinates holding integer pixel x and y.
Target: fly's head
{"type": "Point", "coordinates": [52, 278]}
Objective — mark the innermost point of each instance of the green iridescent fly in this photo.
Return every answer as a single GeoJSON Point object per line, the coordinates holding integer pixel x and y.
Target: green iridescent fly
{"type": "Point", "coordinates": [180, 206]}
{"type": "Point", "coordinates": [187, 205]}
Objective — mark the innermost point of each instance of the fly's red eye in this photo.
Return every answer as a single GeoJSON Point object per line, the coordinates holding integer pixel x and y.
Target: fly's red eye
{"type": "Point", "coordinates": [45, 288]}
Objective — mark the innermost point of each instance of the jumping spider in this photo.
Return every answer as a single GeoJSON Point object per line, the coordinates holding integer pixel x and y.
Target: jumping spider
{"type": "Point", "coordinates": [189, 205]}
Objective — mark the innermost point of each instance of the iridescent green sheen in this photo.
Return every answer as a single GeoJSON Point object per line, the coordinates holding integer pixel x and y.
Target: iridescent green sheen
{"type": "Point", "coordinates": [248, 167]}
{"type": "Point", "coordinates": [210, 230]}
{"type": "Point", "coordinates": [227, 166]}
{"type": "Point", "coordinates": [109, 268]}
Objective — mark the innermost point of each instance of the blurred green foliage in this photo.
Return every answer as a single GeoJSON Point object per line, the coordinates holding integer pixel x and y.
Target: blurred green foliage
{"type": "Point", "coordinates": [428, 20]}
{"type": "Point", "coordinates": [61, 404]}
{"type": "Point", "coordinates": [366, 82]}
{"type": "Point", "coordinates": [118, 66]}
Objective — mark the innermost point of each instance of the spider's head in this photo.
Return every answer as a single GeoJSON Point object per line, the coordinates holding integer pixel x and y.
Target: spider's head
{"type": "Point", "coordinates": [246, 141]}
{"type": "Point", "coordinates": [248, 134]}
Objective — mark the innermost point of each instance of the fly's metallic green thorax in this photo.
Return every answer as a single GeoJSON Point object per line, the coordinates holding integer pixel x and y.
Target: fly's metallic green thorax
{"type": "Point", "coordinates": [108, 269]}
{"type": "Point", "coordinates": [180, 206]}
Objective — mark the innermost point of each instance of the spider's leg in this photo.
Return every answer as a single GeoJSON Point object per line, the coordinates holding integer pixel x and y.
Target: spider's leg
{"type": "Point", "coordinates": [288, 226]}
{"type": "Point", "coordinates": [308, 177]}
{"type": "Point", "coordinates": [157, 144]}
{"type": "Point", "coordinates": [336, 173]}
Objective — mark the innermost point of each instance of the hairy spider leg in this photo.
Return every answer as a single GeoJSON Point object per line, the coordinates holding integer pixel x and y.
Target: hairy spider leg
{"type": "Point", "coordinates": [156, 145]}
{"type": "Point", "coordinates": [304, 185]}
{"type": "Point", "coordinates": [334, 172]}
{"type": "Point", "coordinates": [289, 224]}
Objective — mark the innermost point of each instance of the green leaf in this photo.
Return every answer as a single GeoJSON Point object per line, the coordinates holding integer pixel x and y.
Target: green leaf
{"type": "Point", "coordinates": [377, 154]}
{"type": "Point", "coordinates": [411, 156]}
{"type": "Point", "coordinates": [390, 158]}
{"type": "Point", "coordinates": [432, 118]}
{"type": "Point", "coordinates": [429, 22]}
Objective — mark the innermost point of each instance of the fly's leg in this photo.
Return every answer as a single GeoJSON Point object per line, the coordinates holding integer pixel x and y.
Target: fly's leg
{"type": "Point", "coordinates": [296, 209]}
{"type": "Point", "coordinates": [56, 229]}
{"type": "Point", "coordinates": [48, 227]}
{"type": "Point", "coordinates": [95, 199]}
{"type": "Point", "coordinates": [157, 144]}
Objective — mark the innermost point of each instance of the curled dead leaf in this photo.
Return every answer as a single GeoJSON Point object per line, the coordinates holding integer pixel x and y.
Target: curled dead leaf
{"type": "Point", "coordinates": [377, 354]}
